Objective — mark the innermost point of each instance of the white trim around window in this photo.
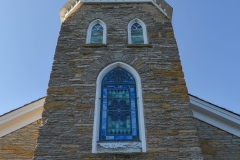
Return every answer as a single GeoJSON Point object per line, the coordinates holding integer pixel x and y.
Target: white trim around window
{"type": "Point", "coordinates": [136, 20]}
{"type": "Point", "coordinates": [89, 31]}
{"type": "Point", "coordinates": [96, 124]}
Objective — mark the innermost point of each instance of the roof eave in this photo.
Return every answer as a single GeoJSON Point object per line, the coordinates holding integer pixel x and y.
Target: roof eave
{"type": "Point", "coordinates": [21, 117]}
{"type": "Point", "coordinates": [215, 116]}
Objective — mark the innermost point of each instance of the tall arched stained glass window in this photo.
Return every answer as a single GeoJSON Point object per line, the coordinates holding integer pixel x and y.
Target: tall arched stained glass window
{"type": "Point", "coordinates": [97, 34]}
{"type": "Point", "coordinates": [119, 113]}
{"type": "Point", "coordinates": [137, 34]}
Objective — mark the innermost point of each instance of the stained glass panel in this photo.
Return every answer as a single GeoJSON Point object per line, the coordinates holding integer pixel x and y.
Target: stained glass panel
{"type": "Point", "coordinates": [97, 34]}
{"type": "Point", "coordinates": [137, 34]}
{"type": "Point", "coordinates": [118, 110]}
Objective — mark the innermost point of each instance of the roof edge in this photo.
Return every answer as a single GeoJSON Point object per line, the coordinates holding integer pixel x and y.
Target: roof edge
{"type": "Point", "coordinates": [216, 116]}
{"type": "Point", "coordinates": [21, 117]}
{"type": "Point", "coordinates": [72, 5]}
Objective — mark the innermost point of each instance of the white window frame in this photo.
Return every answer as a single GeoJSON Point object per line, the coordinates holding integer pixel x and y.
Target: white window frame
{"type": "Point", "coordinates": [141, 123]}
{"type": "Point", "coordinates": [136, 20]}
{"type": "Point", "coordinates": [89, 31]}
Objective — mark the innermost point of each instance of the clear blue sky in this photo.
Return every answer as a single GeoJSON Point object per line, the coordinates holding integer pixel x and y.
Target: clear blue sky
{"type": "Point", "coordinates": [207, 32]}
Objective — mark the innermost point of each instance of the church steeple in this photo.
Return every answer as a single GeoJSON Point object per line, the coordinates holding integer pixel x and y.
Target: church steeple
{"type": "Point", "coordinates": [117, 88]}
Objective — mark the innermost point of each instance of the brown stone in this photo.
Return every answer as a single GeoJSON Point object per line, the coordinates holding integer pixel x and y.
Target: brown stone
{"type": "Point", "coordinates": [24, 152]}
{"type": "Point", "coordinates": [55, 105]}
{"type": "Point", "coordinates": [170, 34]}
{"type": "Point", "coordinates": [179, 89]}
{"type": "Point", "coordinates": [181, 81]}
{"type": "Point", "coordinates": [173, 150]}
{"type": "Point", "coordinates": [72, 62]}
{"type": "Point", "coordinates": [207, 149]}
{"type": "Point", "coordinates": [39, 121]}
{"type": "Point", "coordinates": [185, 98]}
{"type": "Point", "coordinates": [176, 66]}
{"type": "Point", "coordinates": [173, 74]}
{"type": "Point", "coordinates": [138, 64]}
{"type": "Point", "coordinates": [154, 96]}
{"type": "Point", "coordinates": [165, 106]}
{"type": "Point", "coordinates": [10, 147]}
{"type": "Point", "coordinates": [154, 35]}
{"type": "Point", "coordinates": [60, 90]}
{"type": "Point", "coordinates": [152, 78]}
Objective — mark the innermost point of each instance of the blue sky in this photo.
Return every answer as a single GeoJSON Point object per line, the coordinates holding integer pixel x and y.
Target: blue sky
{"type": "Point", "coordinates": [207, 32]}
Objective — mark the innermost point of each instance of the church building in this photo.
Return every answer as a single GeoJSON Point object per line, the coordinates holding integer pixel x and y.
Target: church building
{"type": "Point", "coordinates": [116, 92]}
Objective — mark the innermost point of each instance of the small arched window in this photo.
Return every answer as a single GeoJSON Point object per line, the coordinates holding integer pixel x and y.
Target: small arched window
{"type": "Point", "coordinates": [137, 32]}
{"type": "Point", "coordinates": [119, 113]}
{"type": "Point", "coordinates": [96, 33]}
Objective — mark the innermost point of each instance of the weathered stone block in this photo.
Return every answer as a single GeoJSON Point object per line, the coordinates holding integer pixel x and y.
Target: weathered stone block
{"type": "Point", "coordinates": [9, 147]}
{"type": "Point", "coordinates": [179, 89]}
{"type": "Point", "coordinates": [60, 90]}
{"type": "Point", "coordinates": [58, 105]}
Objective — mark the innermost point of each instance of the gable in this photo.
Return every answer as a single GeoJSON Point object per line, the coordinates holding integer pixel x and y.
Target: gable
{"type": "Point", "coordinates": [72, 5]}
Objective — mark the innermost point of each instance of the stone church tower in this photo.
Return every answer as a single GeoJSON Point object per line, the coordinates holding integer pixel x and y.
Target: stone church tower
{"type": "Point", "coordinates": [117, 89]}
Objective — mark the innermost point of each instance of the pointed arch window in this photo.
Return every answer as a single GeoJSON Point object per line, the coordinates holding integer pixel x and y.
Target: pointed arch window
{"type": "Point", "coordinates": [119, 112]}
{"type": "Point", "coordinates": [137, 32]}
{"type": "Point", "coordinates": [96, 33]}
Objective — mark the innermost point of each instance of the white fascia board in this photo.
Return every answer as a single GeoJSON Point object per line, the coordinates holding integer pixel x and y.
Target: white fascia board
{"type": "Point", "coordinates": [215, 116]}
{"type": "Point", "coordinates": [21, 117]}
{"type": "Point", "coordinates": [72, 5]}
{"type": "Point", "coordinates": [22, 111]}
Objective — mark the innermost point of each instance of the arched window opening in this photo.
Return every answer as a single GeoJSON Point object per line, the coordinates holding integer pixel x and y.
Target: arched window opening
{"type": "Point", "coordinates": [137, 34]}
{"type": "Point", "coordinates": [96, 33]}
{"type": "Point", "coordinates": [119, 112]}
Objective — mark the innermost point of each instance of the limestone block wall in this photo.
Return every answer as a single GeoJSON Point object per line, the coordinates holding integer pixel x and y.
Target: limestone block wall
{"type": "Point", "coordinates": [68, 117]}
{"type": "Point", "coordinates": [21, 143]}
{"type": "Point", "coordinates": [216, 143]}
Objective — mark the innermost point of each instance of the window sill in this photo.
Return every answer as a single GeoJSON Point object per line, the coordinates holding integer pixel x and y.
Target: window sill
{"type": "Point", "coordinates": [94, 45]}
{"type": "Point", "coordinates": [139, 46]}
{"type": "Point", "coordinates": [118, 155]}
{"type": "Point", "coordinates": [119, 146]}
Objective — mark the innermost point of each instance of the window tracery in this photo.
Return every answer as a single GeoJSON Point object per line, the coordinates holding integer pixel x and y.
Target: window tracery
{"type": "Point", "coordinates": [96, 33]}
{"type": "Point", "coordinates": [137, 32]}
{"type": "Point", "coordinates": [119, 107]}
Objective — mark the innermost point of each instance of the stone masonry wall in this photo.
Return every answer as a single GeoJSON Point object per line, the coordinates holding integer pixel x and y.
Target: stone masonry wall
{"type": "Point", "coordinates": [216, 143]}
{"type": "Point", "coordinates": [69, 108]}
{"type": "Point", "coordinates": [21, 143]}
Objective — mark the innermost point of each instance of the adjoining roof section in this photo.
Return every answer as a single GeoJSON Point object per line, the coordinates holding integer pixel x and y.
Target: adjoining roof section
{"type": "Point", "coordinates": [72, 5]}
{"type": "Point", "coordinates": [202, 110]}
{"type": "Point", "coordinates": [21, 117]}
{"type": "Point", "coordinates": [215, 115]}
